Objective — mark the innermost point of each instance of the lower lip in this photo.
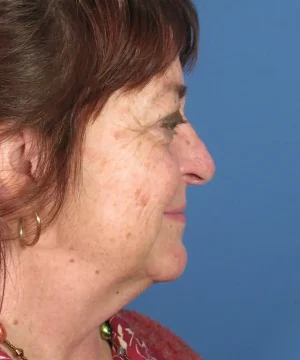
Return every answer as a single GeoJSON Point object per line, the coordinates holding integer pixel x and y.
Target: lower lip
{"type": "Point", "coordinates": [180, 217]}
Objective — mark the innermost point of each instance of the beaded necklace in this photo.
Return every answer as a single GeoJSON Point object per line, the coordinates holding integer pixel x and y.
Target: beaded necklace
{"type": "Point", "coordinates": [105, 330]}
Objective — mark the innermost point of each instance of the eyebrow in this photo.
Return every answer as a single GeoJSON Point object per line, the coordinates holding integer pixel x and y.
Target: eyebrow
{"type": "Point", "coordinates": [179, 89]}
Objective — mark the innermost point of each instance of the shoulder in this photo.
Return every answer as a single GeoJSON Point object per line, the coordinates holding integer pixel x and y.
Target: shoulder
{"type": "Point", "coordinates": [158, 338]}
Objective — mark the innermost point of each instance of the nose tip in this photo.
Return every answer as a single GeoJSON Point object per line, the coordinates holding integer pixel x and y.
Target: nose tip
{"type": "Point", "coordinates": [200, 170]}
{"type": "Point", "coordinates": [196, 165]}
{"type": "Point", "coordinates": [208, 168]}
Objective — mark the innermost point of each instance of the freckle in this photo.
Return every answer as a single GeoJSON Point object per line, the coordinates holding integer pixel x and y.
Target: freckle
{"type": "Point", "coordinates": [188, 142]}
{"type": "Point", "coordinates": [143, 201]}
{"type": "Point", "coordinates": [71, 248]}
{"type": "Point", "coordinates": [118, 292]}
{"type": "Point", "coordinates": [117, 135]}
{"type": "Point", "coordinates": [102, 162]}
{"type": "Point", "coordinates": [97, 272]}
{"type": "Point", "coordinates": [168, 165]}
{"type": "Point", "coordinates": [16, 322]}
{"type": "Point", "coordinates": [138, 193]}
{"type": "Point", "coordinates": [128, 235]}
{"type": "Point", "coordinates": [71, 260]}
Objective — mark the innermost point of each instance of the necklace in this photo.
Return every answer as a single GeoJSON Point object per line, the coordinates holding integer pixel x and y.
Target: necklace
{"type": "Point", "coordinates": [106, 333]}
{"type": "Point", "coordinates": [18, 352]}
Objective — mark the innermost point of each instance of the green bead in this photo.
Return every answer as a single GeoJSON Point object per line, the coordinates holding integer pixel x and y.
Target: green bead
{"type": "Point", "coordinates": [105, 331]}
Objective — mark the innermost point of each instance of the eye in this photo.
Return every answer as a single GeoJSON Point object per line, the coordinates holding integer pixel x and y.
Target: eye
{"type": "Point", "coordinates": [172, 121]}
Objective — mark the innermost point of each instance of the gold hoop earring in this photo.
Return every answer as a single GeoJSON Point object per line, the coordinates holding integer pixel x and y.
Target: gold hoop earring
{"type": "Point", "coordinates": [38, 231]}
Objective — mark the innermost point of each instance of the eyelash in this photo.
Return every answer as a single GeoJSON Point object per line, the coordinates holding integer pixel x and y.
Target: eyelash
{"type": "Point", "coordinates": [172, 121]}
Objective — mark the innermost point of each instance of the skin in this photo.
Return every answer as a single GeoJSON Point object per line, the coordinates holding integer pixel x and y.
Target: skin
{"type": "Point", "coordinates": [113, 238]}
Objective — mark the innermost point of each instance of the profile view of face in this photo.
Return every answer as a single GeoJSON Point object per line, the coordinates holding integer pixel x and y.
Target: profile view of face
{"type": "Point", "coordinates": [139, 156]}
{"type": "Point", "coordinates": [96, 154]}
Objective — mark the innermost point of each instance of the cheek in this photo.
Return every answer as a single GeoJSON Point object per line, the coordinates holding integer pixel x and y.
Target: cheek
{"type": "Point", "coordinates": [171, 172]}
{"type": "Point", "coordinates": [141, 198]}
{"type": "Point", "coordinates": [159, 190]}
{"type": "Point", "coordinates": [162, 177]}
{"type": "Point", "coordinates": [142, 175]}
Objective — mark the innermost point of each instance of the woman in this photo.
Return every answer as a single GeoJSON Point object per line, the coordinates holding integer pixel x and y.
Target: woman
{"type": "Point", "coordinates": [96, 155]}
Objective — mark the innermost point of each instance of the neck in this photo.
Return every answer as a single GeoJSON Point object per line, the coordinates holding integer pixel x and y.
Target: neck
{"type": "Point", "coordinates": [54, 316]}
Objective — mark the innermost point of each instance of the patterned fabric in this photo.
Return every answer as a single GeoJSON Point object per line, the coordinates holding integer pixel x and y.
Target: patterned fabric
{"type": "Point", "coordinates": [4, 356]}
{"type": "Point", "coordinates": [125, 337]}
{"type": "Point", "coordinates": [162, 344]}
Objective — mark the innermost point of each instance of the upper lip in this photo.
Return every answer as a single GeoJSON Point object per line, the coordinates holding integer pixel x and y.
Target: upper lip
{"type": "Point", "coordinates": [178, 210]}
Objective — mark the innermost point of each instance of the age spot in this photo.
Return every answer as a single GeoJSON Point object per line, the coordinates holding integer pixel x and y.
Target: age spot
{"type": "Point", "coordinates": [97, 272]}
{"type": "Point", "coordinates": [71, 260]}
{"type": "Point", "coordinates": [117, 135]}
{"type": "Point", "coordinates": [143, 201]}
{"type": "Point", "coordinates": [138, 193]}
{"type": "Point", "coordinates": [187, 142]}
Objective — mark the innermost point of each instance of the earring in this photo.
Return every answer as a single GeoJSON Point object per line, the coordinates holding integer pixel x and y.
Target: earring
{"type": "Point", "coordinates": [38, 231]}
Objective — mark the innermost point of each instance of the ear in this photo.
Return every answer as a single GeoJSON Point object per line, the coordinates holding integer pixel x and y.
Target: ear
{"type": "Point", "coordinates": [17, 161]}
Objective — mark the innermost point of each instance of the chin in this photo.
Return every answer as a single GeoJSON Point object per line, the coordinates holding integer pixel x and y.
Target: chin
{"type": "Point", "coordinates": [168, 267]}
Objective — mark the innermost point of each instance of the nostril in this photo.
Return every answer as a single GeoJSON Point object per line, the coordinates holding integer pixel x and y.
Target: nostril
{"type": "Point", "coordinates": [194, 179]}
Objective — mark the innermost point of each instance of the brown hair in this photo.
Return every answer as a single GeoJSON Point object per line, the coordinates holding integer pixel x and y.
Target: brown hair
{"type": "Point", "coordinates": [60, 61]}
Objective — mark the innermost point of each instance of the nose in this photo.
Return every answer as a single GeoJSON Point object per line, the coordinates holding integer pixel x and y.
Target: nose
{"type": "Point", "coordinates": [196, 164]}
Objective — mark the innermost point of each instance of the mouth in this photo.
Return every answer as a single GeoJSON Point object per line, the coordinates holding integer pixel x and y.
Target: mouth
{"type": "Point", "coordinates": [176, 214]}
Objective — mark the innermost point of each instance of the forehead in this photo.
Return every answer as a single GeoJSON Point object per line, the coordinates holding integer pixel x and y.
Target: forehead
{"type": "Point", "coordinates": [167, 87]}
{"type": "Point", "coordinates": [171, 83]}
{"type": "Point", "coordinates": [161, 92]}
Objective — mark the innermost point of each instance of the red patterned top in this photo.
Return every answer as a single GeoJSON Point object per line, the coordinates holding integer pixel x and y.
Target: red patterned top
{"type": "Point", "coordinates": [161, 344]}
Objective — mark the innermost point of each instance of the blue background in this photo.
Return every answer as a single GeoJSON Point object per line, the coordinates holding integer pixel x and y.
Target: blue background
{"type": "Point", "coordinates": [239, 298]}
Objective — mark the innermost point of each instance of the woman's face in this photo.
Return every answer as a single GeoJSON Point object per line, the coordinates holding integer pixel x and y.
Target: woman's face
{"type": "Point", "coordinates": [136, 169]}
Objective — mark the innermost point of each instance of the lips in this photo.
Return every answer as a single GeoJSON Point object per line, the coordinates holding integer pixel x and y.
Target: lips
{"type": "Point", "coordinates": [179, 210]}
{"type": "Point", "coordinates": [176, 214]}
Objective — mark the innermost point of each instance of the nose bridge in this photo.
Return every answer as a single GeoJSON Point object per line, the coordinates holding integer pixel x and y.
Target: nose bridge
{"type": "Point", "coordinates": [196, 163]}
